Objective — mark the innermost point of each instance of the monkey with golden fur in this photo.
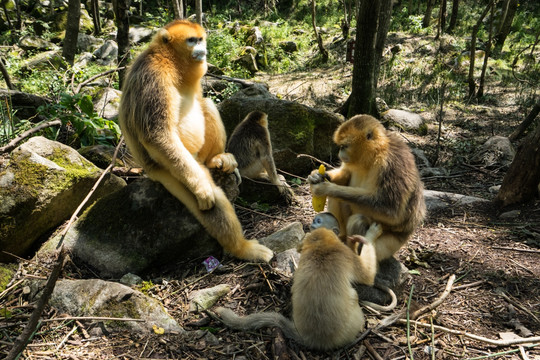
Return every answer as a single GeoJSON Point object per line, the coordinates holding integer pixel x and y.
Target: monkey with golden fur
{"type": "Point", "coordinates": [325, 310]}
{"type": "Point", "coordinates": [378, 181]}
{"type": "Point", "coordinates": [251, 146]}
{"type": "Point", "coordinates": [177, 135]}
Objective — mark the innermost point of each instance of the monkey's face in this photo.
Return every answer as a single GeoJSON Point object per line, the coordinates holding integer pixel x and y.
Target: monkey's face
{"type": "Point", "coordinates": [360, 140]}
{"type": "Point", "coordinates": [188, 40]}
{"type": "Point", "coordinates": [317, 238]}
{"type": "Point", "coordinates": [326, 220]}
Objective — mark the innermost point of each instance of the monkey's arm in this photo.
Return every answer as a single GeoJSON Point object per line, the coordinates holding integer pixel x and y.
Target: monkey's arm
{"type": "Point", "coordinates": [369, 203]}
{"type": "Point", "coordinates": [259, 320]}
{"type": "Point", "coordinates": [171, 154]}
{"type": "Point", "coordinates": [338, 176]}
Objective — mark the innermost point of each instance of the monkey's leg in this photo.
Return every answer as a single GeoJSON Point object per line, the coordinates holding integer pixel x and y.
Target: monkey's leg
{"type": "Point", "coordinates": [368, 255]}
{"type": "Point", "coordinates": [341, 212]}
{"type": "Point", "coordinates": [221, 221]}
{"type": "Point", "coordinates": [388, 244]}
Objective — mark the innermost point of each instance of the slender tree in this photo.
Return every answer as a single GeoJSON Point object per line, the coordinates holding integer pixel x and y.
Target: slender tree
{"type": "Point", "coordinates": [427, 16]}
{"type": "Point", "coordinates": [121, 11]}
{"type": "Point", "coordinates": [442, 18]}
{"type": "Point", "coordinates": [5, 74]}
{"type": "Point", "coordinates": [487, 54]}
{"type": "Point", "coordinates": [198, 11]}
{"type": "Point", "coordinates": [322, 49]}
{"type": "Point", "coordinates": [385, 17]}
{"type": "Point", "coordinates": [72, 31]}
{"type": "Point", "coordinates": [453, 17]}
{"type": "Point", "coordinates": [178, 8]}
{"type": "Point", "coordinates": [518, 133]}
{"type": "Point", "coordinates": [94, 9]}
{"type": "Point", "coordinates": [364, 82]}
{"type": "Point", "coordinates": [507, 17]}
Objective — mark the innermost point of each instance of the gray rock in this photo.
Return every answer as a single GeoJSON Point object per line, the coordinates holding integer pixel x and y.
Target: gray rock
{"type": "Point", "coordinates": [403, 119]}
{"type": "Point", "coordinates": [289, 46]}
{"type": "Point", "coordinates": [83, 60]}
{"type": "Point", "coordinates": [294, 128]}
{"type": "Point", "coordinates": [248, 62]}
{"type": "Point", "coordinates": [34, 43]}
{"type": "Point", "coordinates": [43, 61]}
{"type": "Point", "coordinates": [130, 279]}
{"type": "Point", "coordinates": [205, 298]}
{"type": "Point", "coordinates": [87, 43]}
{"type": "Point", "coordinates": [497, 151]}
{"type": "Point", "coordinates": [137, 228]}
{"type": "Point", "coordinates": [287, 261]}
{"type": "Point", "coordinates": [138, 34]}
{"type": "Point", "coordinates": [41, 186]}
{"type": "Point", "coordinates": [110, 299]}
{"type": "Point", "coordinates": [438, 199]}
{"type": "Point", "coordinates": [107, 53]}
{"type": "Point", "coordinates": [108, 101]}
{"type": "Point", "coordinates": [509, 215]}
{"type": "Point", "coordinates": [288, 237]}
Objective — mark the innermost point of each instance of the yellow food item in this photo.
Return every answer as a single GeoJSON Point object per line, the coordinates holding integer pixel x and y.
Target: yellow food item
{"type": "Point", "coordinates": [318, 202]}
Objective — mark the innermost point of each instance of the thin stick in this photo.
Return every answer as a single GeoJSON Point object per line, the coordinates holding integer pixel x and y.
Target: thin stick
{"type": "Point", "coordinates": [516, 249]}
{"type": "Point", "coordinates": [257, 212]}
{"type": "Point", "coordinates": [90, 193]}
{"type": "Point", "coordinates": [66, 337]}
{"type": "Point", "coordinates": [13, 143]}
{"type": "Point", "coordinates": [502, 353]}
{"type": "Point", "coordinates": [437, 302]}
{"type": "Point", "coordinates": [409, 324]}
{"type": "Point", "coordinates": [315, 159]}
{"type": "Point", "coordinates": [475, 337]}
{"type": "Point", "coordinates": [32, 324]}
{"type": "Point", "coordinates": [372, 351]}
{"type": "Point", "coordinates": [86, 82]}
{"type": "Point", "coordinates": [464, 286]}
{"type": "Point", "coordinates": [90, 318]}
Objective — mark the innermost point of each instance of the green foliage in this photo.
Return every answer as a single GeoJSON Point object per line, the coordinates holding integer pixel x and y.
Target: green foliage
{"type": "Point", "coordinates": [78, 111]}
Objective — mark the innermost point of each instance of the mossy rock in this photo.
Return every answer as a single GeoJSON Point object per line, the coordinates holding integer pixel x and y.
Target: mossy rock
{"type": "Point", "coordinates": [41, 186]}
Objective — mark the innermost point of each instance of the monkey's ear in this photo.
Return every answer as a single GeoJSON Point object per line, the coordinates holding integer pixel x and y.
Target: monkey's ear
{"type": "Point", "coordinates": [369, 135]}
{"type": "Point", "coordinates": [164, 35]}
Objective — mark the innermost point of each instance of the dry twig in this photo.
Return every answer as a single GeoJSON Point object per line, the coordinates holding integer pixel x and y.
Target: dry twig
{"type": "Point", "coordinates": [13, 143]}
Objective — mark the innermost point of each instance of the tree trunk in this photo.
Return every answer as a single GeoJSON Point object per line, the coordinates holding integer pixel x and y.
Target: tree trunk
{"type": "Point", "coordinates": [5, 74]}
{"type": "Point", "coordinates": [178, 8]}
{"type": "Point", "coordinates": [323, 51]}
{"type": "Point", "coordinates": [364, 83]}
{"type": "Point", "coordinates": [509, 10]}
{"type": "Point", "coordinates": [520, 183]}
{"type": "Point", "coordinates": [427, 15]}
{"type": "Point", "coordinates": [385, 17]}
{"type": "Point", "coordinates": [94, 9]}
{"type": "Point", "coordinates": [518, 133]}
{"type": "Point", "coordinates": [454, 17]}
{"type": "Point", "coordinates": [72, 31]}
{"type": "Point", "coordinates": [487, 53]}
{"type": "Point", "coordinates": [121, 8]}
{"type": "Point", "coordinates": [470, 79]}
{"type": "Point", "coordinates": [442, 19]}
{"type": "Point", "coordinates": [198, 11]}
{"type": "Point", "coordinates": [346, 22]}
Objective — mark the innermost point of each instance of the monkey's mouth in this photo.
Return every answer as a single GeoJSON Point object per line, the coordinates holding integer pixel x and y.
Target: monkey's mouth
{"type": "Point", "coordinates": [199, 55]}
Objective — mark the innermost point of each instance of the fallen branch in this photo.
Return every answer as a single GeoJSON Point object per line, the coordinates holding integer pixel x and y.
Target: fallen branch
{"type": "Point", "coordinates": [86, 82]}
{"type": "Point", "coordinates": [32, 324]}
{"type": "Point", "coordinates": [90, 318]}
{"type": "Point", "coordinates": [475, 337]}
{"type": "Point", "coordinates": [328, 166]}
{"type": "Point", "coordinates": [13, 143]}
{"type": "Point", "coordinates": [228, 78]}
{"type": "Point", "coordinates": [516, 249]}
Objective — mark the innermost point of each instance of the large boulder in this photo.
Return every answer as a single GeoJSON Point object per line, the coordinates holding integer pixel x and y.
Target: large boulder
{"type": "Point", "coordinates": [294, 128]}
{"type": "Point", "coordinates": [496, 152]}
{"type": "Point", "coordinates": [137, 228]}
{"type": "Point", "coordinates": [403, 119]}
{"type": "Point", "coordinates": [41, 186]}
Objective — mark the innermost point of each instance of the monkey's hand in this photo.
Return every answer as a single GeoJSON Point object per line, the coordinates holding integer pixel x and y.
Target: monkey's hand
{"type": "Point", "coordinates": [375, 230]}
{"type": "Point", "coordinates": [224, 161]}
{"type": "Point", "coordinates": [204, 192]}
{"type": "Point", "coordinates": [355, 243]}
{"type": "Point", "coordinates": [321, 189]}
{"type": "Point", "coordinates": [315, 177]}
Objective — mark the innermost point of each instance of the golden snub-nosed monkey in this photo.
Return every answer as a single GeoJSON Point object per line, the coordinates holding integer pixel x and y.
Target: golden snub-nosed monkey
{"type": "Point", "coordinates": [377, 181]}
{"type": "Point", "coordinates": [177, 135]}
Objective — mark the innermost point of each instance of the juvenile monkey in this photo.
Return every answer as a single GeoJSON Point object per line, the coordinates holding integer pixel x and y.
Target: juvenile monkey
{"type": "Point", "coordinates": [250, 144]}
{"type": "Point", "coordinates": [176, 135]}
{"type": "Point", "coordinates": [325, 310]}
{"type": "Point", "coordinates": [377, 182]}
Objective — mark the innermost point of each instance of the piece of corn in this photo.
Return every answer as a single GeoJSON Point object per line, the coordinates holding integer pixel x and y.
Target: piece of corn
{"type": "Point", "coordinates": [318, 202]}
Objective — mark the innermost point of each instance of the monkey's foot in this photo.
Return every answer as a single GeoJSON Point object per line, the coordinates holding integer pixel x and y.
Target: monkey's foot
{"type": "Point", "coordinates": [224, 161]}
{"type": "Point", "coordinates": [252, 250]}
{"type": "Point", "coordinates": [374, 231]}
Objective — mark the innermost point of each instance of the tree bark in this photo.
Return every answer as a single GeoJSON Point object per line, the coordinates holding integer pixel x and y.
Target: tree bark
{"type": "Point", "coordinates": [442, 19]}
{"type": "Point", "coordinates": [94, 7]}
{"type": "Point", "coordinates": [518, 133]}
{"type": "Point", "coordinates": [5, 74]}
{"type": "Point", "coordinates": [364, 83]}
{"type": "Point", "coordinates": [324, 52]}
{"type": "Point", "coordinates": [121, 8]}
{"type": "Point", "coordinates": [453, 17]}
{"type": "Point", "coordinates": [509, 10]}
{"type": "Point", "coordinates": [487, 53]}
{"type": "Point", "coordinates": [385, 18]}
{"type": "Point", "coordinates": [198, 11]}
{"type": "Point", "coordinates": [520, 183]}
{"type": "Point", "coordinates": [178, 8]}
{"type": "Point", "coordinates": [427, 15]}
{"type": "Point", "coordinates": [72, 31]}
{"type": "Point", "coordinates": [470, 79]}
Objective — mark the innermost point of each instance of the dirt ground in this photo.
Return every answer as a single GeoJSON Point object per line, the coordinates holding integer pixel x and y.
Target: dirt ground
{"type": "Point", "coordinates": [495, 261]}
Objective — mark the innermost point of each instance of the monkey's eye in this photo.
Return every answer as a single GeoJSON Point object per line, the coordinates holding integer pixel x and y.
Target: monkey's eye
{"type": "Point", "coordinates": [317, 220]}
{"type": "Point", "coordinates": [192, 41]}
{"type": "Point", "coordinates": [369, 135]}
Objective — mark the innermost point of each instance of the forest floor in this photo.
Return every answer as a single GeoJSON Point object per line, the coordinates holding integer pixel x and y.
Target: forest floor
{"type": "Point", "coordinates": [495, 261]}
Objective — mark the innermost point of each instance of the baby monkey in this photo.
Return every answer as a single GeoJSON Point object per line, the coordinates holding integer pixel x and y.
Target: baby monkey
{"type": "Point", "coordinates": [251, 146]}
{"type": "Point", "coordinates": [325, 310]}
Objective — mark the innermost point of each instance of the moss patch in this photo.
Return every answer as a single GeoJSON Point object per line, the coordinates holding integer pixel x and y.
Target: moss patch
{"type": "Point", "coordinates": [6, 274]}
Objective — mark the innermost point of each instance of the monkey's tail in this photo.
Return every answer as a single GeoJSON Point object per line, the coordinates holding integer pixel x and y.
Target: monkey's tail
{"type": "Point", "coordinates": [382, 307]}
{"type": "Point", "coordinates": [259, 320]}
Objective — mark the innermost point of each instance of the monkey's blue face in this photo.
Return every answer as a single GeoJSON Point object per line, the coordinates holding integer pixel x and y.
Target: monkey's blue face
{"type": "Point", "coordinates": [198, 46]}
